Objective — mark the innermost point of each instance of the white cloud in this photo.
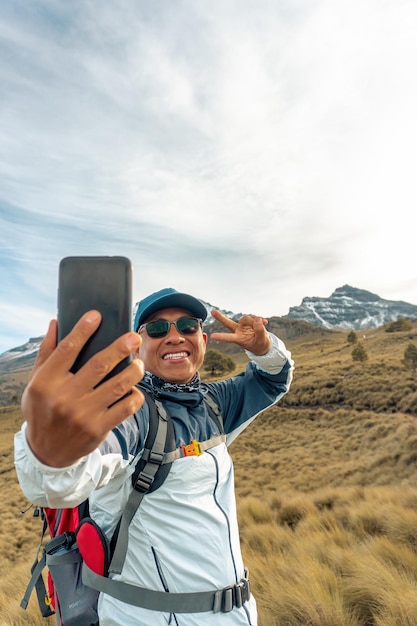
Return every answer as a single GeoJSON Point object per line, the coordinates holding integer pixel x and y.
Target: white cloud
{"type": "Point", "coordinates": [259, 151]}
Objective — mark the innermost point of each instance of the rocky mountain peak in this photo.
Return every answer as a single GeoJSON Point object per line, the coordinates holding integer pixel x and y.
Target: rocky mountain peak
{"type": "Point", "coordinates": [349, 308]}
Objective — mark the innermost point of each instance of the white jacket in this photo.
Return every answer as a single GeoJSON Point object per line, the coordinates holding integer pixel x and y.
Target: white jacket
{"type": "Point", "coordinates": [184, 536]}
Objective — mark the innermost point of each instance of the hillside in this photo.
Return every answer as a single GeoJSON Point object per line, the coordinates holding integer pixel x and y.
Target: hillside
{"type": "Point", "coordinates": [342, 423]}
{"type": "Point", "coordinates": [326, 484]}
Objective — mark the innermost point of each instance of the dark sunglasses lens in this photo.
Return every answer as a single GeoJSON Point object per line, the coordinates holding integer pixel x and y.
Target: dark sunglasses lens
{"type": "Point", "coordinates": [158, 328]}
{"type": "Point", "coordinates": [188, 325]}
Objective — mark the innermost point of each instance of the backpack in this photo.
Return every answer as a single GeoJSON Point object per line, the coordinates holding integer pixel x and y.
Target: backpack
{"type": "Point", "coordinates": [79, 556]}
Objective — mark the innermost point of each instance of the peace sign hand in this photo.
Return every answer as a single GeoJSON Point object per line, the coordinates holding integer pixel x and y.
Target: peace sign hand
{"type": "Point", "coordinates": [249, 332]}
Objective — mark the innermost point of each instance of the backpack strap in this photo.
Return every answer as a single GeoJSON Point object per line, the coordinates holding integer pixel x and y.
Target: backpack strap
{"type": "Point", "coordinates": [195, 448]}
{"type": "Point", "coordinates": [166, 443]}
{"type": "Point", "coordinates": [36, 581]}
{"type": "Point", "coordinates": [143, 477]}
{"type": "Point", "coordinates": [153, 467]}
{"type": "Point", "coordinates": [218, 600]}
{"type": "Point", "coordinates": [214, 410]}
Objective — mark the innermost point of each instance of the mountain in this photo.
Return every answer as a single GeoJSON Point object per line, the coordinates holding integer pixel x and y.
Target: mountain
{"type": "Point", "coordinates": [20, 357]}
{"type": "Point", "coordinates": [349, 308]}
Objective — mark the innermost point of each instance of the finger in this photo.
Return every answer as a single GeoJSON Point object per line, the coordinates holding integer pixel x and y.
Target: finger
{"type": "Point", "coordinates": [223, 319]}
{"type": "Point", "coordinates": [117, 386]}
{"type": "Point", "coordinates": [50, 340]}
{"type": "Point", "coordinates": [46, 348]}
{"type": "Point", "coordinates": [247, 320]}
{"type": "Point", "coordinates": [238, 329]}
{"type": "Point", "coordinates": [122, 409]}
{"type": "Point", "coordinates": [70, 346]}
{"type": "Point", "coordinates": [259, 323]}
{"type": "Point", "coordinates": [261, 341]}
{"type": "Point", "coordinates": [228, 337]}
{"type": "Point", "coordinates": [102, 363]}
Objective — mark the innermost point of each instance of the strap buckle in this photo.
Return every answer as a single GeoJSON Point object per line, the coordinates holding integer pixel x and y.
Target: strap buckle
{"type": "Point", "coordinates": [242, 592]}
{"type": "Point", "coordinates": [192, 449]}
{"type": "Point", "coordinates": [144, 482]}
{"type": "Point", "coordinates": [232, 596]}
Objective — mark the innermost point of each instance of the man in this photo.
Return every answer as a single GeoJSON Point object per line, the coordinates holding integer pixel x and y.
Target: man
{"type": "Point", "coordinates": [77, 442]}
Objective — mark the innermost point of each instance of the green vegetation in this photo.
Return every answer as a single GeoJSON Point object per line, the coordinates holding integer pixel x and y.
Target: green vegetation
{"type": "Point", "coordinates": [400, 325]}
{"type": "Point", "coordinates": [352, 337]}
{"type": "Point", "coordinates": [359, 353]}
{"type": "Point", "coordinates": [217, 363]}
{"type": "Point", "coordinates": [410, 357]}
{"type": "Point", "coordinates": [11, 388]}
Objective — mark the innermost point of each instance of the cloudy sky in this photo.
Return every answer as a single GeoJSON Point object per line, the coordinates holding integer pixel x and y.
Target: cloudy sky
{"type": "Point", "coordinates": [251, 152]}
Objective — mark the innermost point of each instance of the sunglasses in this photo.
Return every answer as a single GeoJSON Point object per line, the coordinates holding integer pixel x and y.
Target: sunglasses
{"type": "Point", "coordinates": [160, 328]}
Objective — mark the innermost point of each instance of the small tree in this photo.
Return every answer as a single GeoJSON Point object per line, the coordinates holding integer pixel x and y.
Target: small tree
{"type": "Point", "coordinates": [216, 363]}
{"type": "Point", "coordinates": [410, 357]}
{"type": "Point", "coordinates": [399, 325]}
{"type": "Point", "coordinates": [359, 353]}
{"type": "Point", "coordinates": [352, 337]}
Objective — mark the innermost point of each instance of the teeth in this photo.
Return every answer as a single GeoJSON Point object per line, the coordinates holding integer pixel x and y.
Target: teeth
{"type": "Point", "coordinates": [175, 355]}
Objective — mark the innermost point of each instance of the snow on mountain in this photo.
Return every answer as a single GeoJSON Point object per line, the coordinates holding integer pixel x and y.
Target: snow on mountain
{"type": "Point", "coordinates": [349, 308]}
{"type": "Point", "coordinates": [26, 350]}
{"type": "Point", "coordinates": [25, 355]}
{"type": "Point", "coordinates": [210, 319]}
{"type": "Point", "coordinates": [21, 357]}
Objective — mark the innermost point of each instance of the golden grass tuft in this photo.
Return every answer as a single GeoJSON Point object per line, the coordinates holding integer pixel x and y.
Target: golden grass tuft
{"type": "Point", "coordinates": [332, 567]}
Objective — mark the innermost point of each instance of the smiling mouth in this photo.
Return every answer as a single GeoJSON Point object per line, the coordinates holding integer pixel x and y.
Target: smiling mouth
{"type": "Point", "coordinates": [172, 356]}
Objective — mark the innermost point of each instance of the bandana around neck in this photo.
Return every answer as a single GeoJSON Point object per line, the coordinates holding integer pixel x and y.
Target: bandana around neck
{"type": "Point", "coordinates": [158, 384]}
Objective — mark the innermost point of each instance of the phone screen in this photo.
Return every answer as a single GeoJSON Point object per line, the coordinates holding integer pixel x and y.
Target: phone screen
{"type": "Point", "coordinates": [101, 283]}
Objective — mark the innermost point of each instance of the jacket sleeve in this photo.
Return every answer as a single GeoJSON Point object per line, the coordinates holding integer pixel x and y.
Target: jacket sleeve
{"type": "Point", "coordinates": [266, 379]}
{"type": "Point", "coordinates": [69, 486]}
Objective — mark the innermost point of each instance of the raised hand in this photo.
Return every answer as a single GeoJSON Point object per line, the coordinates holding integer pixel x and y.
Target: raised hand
{"type": "Point", "coordinates": [249, 332]}
{"type": "Point", "coordinates": [67, 414]}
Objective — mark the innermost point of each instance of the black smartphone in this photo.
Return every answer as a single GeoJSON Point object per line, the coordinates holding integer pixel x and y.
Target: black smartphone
{"type": "Point", "coordinates": [103, 283]}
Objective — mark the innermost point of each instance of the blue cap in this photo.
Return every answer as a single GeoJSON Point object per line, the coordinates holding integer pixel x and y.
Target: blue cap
{"type": "Point", "coordinates": [166, 298]}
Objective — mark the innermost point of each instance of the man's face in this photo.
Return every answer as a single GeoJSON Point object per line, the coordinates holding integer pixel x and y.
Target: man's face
{"type": "Point", "coordinates": [175, 357]}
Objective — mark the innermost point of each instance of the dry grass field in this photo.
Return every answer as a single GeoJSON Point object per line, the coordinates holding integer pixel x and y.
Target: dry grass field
{"type": "Point", "coordinates": [327, 492]}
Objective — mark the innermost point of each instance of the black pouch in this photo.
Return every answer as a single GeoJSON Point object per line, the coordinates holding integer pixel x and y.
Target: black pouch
{"type": "Point", "coordinates": [75, 603]}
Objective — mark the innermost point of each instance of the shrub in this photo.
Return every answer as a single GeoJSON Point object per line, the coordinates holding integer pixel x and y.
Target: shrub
{"type": "Point", "coordinates": [399, 325]}
{"type": "Point", "coordinates": [216, 363]}
{"type": "Point", "coordinates": [410, 357]}
{"type": "Point", "coordinates": [359, 353]}
{"type": "Point", "coordinates": [352, 337]}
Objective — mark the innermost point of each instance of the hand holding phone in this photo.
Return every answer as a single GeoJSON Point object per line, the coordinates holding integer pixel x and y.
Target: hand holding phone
{"type": "Point", "coordinates": [69, 416]}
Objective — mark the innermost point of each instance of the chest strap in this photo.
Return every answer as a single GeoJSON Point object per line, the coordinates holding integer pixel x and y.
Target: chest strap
{"type": "Point", "coordinates": [220, 600]}
{"type": "Point", "coordinates": [195, 448]}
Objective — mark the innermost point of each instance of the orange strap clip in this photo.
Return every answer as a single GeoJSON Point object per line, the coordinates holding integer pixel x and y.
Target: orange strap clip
{"type": "Point", "coordinates": [192, 449]}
